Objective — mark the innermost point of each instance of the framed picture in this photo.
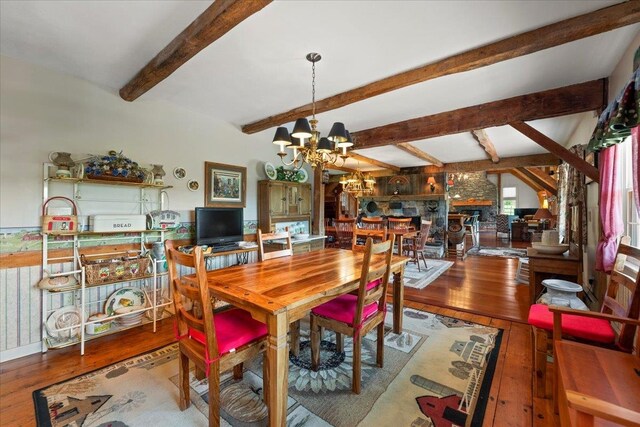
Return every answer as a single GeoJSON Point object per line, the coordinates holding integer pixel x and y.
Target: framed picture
{"type": "Point", "coordinates": [225, 186]}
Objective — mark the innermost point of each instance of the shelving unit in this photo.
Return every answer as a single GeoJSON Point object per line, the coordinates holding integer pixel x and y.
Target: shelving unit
{"type": "Point", "coordinates": [152, 283]}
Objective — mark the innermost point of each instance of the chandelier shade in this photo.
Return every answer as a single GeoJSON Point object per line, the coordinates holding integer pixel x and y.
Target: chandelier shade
{"type": "Point", "coordinates": [317, 151]}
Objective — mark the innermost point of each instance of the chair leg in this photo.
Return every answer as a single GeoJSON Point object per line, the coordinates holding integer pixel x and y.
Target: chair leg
{"type": "Point", "coordinates": [214, 395]}
{"type": "Point", "coordinates": [424, 260]}
{"type": "Point", "coordinates": [339, 342]}
{"type": "Point", "coordinates": [265, 373]}
{"type": "Point", "coordinates": [540, 344]}
{"type": "Point", "coordinates": [185, 398]}
{"type": "Point", "coordinates": [238, 371]}
{"type": "Point", "coordinates": [380, 348]}
{"type": "Point", "coordinates": [357, 361]}
{"type": "Point", "coordinates": [294, 329]}
{"type": "Point", "coordinates": [315, 343]}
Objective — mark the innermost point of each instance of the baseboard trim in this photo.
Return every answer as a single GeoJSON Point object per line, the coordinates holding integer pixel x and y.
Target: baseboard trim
{"type": "Point", "coordinates": [17, 352]}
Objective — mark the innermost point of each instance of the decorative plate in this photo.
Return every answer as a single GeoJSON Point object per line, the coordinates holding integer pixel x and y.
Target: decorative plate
{"type": "Point", "coordinates": [193, 185]}
{"type": "Point", "coordinates": [125, 297]}
{"type": "Point", "coordinates": [270, 170]}
{"type": "Point", "coordinates": [179, 173]}
{"type": "Point", "coordinates": [58, 282]}
{"type": "Point", "coordinates": [303, 176]}
{"type": "Point", "coordinates": [63, 318]}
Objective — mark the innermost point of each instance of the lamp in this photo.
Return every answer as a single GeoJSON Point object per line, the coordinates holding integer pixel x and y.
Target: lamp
{"type": "Point", "coordinates": [432, 183]}
{"type": "Point", "coordinates": [358, 183]}
{"type": "Point", "coordinates": [317, 151]}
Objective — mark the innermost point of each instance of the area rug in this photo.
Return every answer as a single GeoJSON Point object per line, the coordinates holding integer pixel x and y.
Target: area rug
{"type": "Point", "coordinates": [499, 252]}
{"type": "Point", "coordinates": [437, 372]}
{"type": "Point", "coordinates": [420, 279]}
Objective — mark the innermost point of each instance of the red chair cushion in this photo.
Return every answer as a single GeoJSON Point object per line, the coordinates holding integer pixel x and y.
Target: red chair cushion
{"type": "Point", "coordinates": [343, 309]}
{"type": "Point", "coordinates": [234, 328]}
{"type": "Point", "coordinates": [588, 328]}
{"type": "Point", "coordinates": [373, 284]}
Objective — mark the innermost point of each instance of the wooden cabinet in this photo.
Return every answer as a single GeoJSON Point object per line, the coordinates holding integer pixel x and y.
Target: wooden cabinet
{"type": "Point", "coordinates": [281, 201]}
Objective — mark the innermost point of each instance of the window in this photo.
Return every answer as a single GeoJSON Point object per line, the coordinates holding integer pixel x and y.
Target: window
{"type": "Point", "coordinates": [629, 212]}
{"type": "Point", "coordinates": [508, 200]}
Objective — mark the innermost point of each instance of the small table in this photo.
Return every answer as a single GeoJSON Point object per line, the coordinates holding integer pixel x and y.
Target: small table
{"type": "Point", "coordinates": [546, 266]}
{"type": "Point", "coordinates": [607, 375]}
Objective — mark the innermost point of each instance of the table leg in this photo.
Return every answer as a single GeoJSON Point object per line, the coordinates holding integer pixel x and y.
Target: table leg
{"type": "Point", "coordinates": [277, 369]}
{"type": "Point", "coordinates": [400, 244]}
{"type": "Point", "coordinates": [398, 300]}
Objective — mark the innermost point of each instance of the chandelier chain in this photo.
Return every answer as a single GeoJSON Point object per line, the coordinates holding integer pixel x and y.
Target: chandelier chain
{"type": "Point", "coordinates": [313, 89]}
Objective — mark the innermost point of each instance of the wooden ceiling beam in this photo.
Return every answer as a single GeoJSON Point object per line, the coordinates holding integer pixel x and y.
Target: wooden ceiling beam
{"type": "Point", "coordinates": [542, 184]}
{"type": "Point", "coordinates": [517, 172]}
{"type": "Point", "coordinates": [483, 139]}
{"type": "Point", "coordinates": [578, 98]}
{"type": "Point", "coordinates": [557, 149]}
{"type": "Point", "coordinates": [416, 152]}
{"type": "Point", "coordinates": [488, 165]}
{"type": "Point", "coordinates": [217, 20]}
{"type": "Point", "coordinates": [543, 175]}
{"type": "Point", "coordinates": [556, 34]}
{"type": "Point", "coordinates": [373, 162]}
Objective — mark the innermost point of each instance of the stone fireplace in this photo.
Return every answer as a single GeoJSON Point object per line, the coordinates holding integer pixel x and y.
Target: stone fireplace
{"type": "Point", "coordinates": [476, 193]}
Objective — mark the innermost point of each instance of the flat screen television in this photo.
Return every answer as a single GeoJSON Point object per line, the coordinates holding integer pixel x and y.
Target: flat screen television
{"type": "Point", "coordinates": [215, 226]}
{"type": "Point", "coordinates": [521, 212]}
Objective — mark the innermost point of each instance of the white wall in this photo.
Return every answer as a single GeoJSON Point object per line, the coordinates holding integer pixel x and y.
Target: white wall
{"type": "Point", "coordinates": [526, 197]}
{"type": "Point", "coordinates": [43, 111]}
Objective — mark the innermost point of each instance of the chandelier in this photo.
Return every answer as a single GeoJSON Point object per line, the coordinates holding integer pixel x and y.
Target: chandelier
{"type": "Point", "coordinates": [317, 152]}
{"type": "Point", "coordinates": [358, 183]}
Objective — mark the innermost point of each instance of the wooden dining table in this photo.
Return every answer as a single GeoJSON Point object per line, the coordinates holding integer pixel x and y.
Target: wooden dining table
{"type": "Point", "coordinates": [280, 291]}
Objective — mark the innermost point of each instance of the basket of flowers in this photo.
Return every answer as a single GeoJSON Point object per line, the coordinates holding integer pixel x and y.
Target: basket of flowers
{"type": "Point", "coordinates": [114, 167]}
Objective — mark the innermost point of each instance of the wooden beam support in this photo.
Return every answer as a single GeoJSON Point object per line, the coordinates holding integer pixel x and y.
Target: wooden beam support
{"type": "Point", "coordinates": [339, 168]}
{"type": "Point", "coordinates": [517, 172]}
{"type": "Point", "coordinates": [420, 154]}
{"type": "Point", "coordinates": [545, 178]}
{"type": "Point", "coordinates": [318, 203]}
{"type": "Point", "coordinates": [217, 20]}
{"type": "Point", "coordinates": [562, 101]}
{"type": "Point", "coordinates": [557, 149]}
{"type": "Point", "coordinates": [488, 165]}
{"type": "Point", "coordinates": [373, 162]}
{"type": "Point", "coordinates": [556, 34]}
{"type": "Point", "coordinates": [542, 184]}
{"type": "Point", "coordinates": [483, 139]}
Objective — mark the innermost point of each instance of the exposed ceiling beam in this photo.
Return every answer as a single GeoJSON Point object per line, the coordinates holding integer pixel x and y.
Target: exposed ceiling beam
{"type": "Point", "coordinates": [543, 175]}
{"type": "Point", "coordinates": [217, 20]}
{"type": "Point", "coordinates": [562, 101]}
{"type": "Point", "coordinates": [483, 139]}
{"type": "Point", "coordinates": [517, 172]}
{"type": "Point", "coordinates": [374, 162]}
{"type": "Point", "coordinates": [416, 152]}
{"type": "Point", "coordinates": [488, 165]}
{"type": "Point", "coordinates": [339, 168]}
{"type": "Point", "coordinates": [557, 149]}
{"type": "Point", "coordinates": [556, 34]}
{"type": "Point", "coordinates": [542, 184]}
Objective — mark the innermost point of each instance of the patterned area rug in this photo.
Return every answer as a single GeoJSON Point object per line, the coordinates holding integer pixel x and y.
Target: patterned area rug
{"type": "Point", "coordinates": [501, 252]}
{"type": "Point", "coordinates": [420, 279]}
{"type": "Point", "coordinates": [437, 372]}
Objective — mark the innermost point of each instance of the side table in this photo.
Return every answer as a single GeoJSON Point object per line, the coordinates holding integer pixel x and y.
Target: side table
{"type": "Point", "coordinates": [546, 266]}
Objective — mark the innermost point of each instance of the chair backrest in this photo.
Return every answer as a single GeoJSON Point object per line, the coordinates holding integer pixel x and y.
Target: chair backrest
{"type": "Point", "coordinates": [372, 223]}
{"type": "Point", "coordinates": [195, 290]}
{"type": "Point", "coordinates": [425, 228]}
{"type": "Point", "coordinates": [398, 223]}
{"type": "Point", "coordinates": [263, 237]}
{"type": "Point", "coordinates": [344, 230]}
{"type": "Point", "coordinates": [376, 266]}
{"type": "Point", "coordinates": [503, 223]}
{"type": "Point", "coordinates": [363, 234]}
{"type": "Point", "coordinates": [625, 275]}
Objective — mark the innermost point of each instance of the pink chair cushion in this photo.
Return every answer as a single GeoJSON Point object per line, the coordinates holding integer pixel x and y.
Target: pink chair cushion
{"type": "Point", "coordinates": [373, 284]}
{"type": "Point", "coordinates": [343, 309]}
{"type": "Point", "coordinates": [234, 328]}
{"type": "Point", "coordinates": [588, 328]}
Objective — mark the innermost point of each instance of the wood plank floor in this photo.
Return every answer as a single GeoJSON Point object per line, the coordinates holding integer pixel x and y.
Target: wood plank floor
{"type": "Point", "coordinates": [478, 286]}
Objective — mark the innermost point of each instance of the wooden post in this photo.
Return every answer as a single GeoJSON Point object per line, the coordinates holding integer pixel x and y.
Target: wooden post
{"type": "Point", "coordinates": [318, 202]}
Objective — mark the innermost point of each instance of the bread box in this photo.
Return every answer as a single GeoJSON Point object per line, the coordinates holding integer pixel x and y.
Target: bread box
{"type": "Point", "coordinates": [111, 223]}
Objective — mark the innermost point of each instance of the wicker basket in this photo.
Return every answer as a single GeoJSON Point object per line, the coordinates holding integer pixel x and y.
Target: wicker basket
{"type": "Point", "coordinates": [108, 177]}
{"type": "Point", "coordinates": [98, 271]}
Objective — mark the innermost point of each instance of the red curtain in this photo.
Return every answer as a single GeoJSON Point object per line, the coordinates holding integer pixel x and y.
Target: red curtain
{"type": "Point", "coordinates": [610, 208]}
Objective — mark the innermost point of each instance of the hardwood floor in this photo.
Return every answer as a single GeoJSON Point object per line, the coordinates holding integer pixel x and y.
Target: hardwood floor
{"type": "Point", "coordinates": [479, 293]}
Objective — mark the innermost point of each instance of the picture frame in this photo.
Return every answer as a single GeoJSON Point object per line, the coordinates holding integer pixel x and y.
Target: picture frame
{"type": "Point", "coordinates": [225, 186]}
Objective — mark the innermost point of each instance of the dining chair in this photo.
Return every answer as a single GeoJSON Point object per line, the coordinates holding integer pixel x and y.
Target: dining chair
{"type": "Point", "coordinates": [344, 231]}
{"type": "Point", "coordinates": [622, 299]}
{"type": "Point", "coordinates": [287, 250]}
{"type": "Point", "coordinates": [398, 223]}
{"type": "Point", "coordinates": [213, 342]}
{"type": "Point", "coordinates": [357, 315]}
{"type": "Point", "coordinates": [372, 223]}
{"type": "Point", "coordinates": [416, 245]}
{"type": "Point", "coordinates": [360, 235]}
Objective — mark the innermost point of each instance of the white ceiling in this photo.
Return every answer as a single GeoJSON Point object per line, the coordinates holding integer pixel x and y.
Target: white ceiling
{"type": "Point", "coordinates": [258, 69]}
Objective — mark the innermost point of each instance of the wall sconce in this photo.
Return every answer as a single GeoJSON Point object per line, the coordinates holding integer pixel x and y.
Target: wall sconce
{"type": "Point", "coordinates": [432, 183]}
